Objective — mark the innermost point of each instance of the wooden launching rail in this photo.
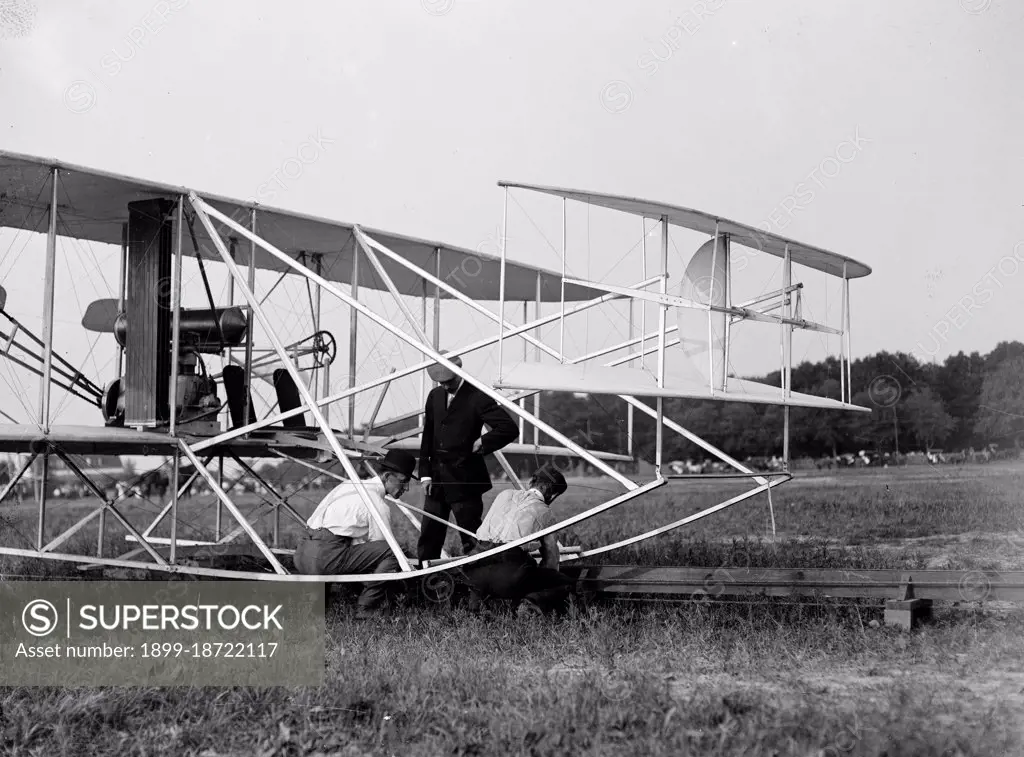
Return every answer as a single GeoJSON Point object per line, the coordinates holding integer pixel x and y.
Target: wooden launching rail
{"type": "Point", "coordinates": [909, 593]}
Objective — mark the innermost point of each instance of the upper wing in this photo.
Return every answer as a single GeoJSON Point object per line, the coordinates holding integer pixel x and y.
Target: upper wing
{"type": "Point", "coordinates": [93, 205]}
{"type": "Point", "coordinates": [748, 236]}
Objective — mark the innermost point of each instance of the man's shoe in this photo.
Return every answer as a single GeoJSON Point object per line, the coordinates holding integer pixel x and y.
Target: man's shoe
{"type": "Point", "coordinates": [529, 609]}
{"type": "Point", "coordinates": [368, 613]}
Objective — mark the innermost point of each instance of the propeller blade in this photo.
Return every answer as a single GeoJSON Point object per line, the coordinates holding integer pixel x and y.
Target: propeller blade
{"type": "Point", "coordinates": [100, 316]}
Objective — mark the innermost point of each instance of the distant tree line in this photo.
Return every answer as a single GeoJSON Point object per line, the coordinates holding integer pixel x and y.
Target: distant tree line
{"type": "Point", "coordinates": [968, 400]}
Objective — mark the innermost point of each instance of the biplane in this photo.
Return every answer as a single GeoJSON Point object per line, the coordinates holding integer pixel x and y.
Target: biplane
{"type": "Point", "coordinates": [163, 400]}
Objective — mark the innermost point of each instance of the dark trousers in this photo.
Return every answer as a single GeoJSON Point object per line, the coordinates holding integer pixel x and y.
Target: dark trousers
{"type": "Point", "coordinates": [469, 515]}
{"type": "Point", "coordinates": [515, 575]}
{"type": "Point", "coordinates": [321, 553]}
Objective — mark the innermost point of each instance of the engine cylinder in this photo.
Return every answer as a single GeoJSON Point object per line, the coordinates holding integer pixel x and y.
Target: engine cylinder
{"type": "Point", "coordinates": [199, 328]}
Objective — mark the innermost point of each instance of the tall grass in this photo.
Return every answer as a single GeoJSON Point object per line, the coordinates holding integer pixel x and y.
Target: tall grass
{"type": "Point", "coordinates": [742, 678]}
{"type": "Point", "coordinates": [658, 680]}
{"type": "Point", "coordinates": [972, 517]}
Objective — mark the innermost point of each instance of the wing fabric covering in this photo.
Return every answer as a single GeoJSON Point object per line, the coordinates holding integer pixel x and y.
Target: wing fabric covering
{"type": "Point", "coordinates": [93, 206]}
{"type": "Point", "coordinates": [703, 282]}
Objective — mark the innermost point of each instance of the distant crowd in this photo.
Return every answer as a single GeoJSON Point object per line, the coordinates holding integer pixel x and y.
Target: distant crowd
{"type": "Point", "coordinates": [862, 459]}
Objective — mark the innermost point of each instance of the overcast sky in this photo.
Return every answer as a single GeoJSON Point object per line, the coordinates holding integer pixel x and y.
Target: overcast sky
{"type": "Point", "coordinates": [888, 132]}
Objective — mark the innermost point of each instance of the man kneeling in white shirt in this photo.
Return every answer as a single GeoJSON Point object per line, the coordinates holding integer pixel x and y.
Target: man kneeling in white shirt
{"type": "Point", "coordinates": [513, 574]}
{"type": "Point", "coordinates": [343, 537]}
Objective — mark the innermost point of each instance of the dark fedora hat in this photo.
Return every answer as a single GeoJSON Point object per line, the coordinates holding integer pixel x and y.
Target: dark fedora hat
{"type": "Point", "coordinates": [439, 372]}
{"type": "Point", "coordinates": [399, 461]}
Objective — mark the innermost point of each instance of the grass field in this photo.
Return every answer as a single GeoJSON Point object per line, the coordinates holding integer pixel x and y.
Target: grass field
{"type": "Point", "coordinates": [631, 678]}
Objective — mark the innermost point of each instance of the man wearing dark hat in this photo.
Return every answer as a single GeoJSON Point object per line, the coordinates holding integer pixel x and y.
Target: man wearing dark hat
{"type": "Point", "coordinates": [342, 536]}
{"type": "Point", "coordinates": [513, 574]}
{"type": "Point", "coordinates": [452, 467]}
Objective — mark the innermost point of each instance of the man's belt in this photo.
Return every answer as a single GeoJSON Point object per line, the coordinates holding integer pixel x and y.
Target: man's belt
{"type": "Point", "coordinates": [515, 554]}
{"type": "Point", "coordinates": [325, 533]}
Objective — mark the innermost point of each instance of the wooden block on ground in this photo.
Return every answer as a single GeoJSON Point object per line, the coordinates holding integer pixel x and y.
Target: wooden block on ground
{"type": "Point", "coordinates": [907, 613]}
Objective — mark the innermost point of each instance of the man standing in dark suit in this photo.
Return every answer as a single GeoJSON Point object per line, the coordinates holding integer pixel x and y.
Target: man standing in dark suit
{"type": "Point", "coordinates": [451, 467]}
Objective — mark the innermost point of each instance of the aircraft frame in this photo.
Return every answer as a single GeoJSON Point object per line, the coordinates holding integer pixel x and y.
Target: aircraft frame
{"type": "Point", "coordinates": [249, 438]}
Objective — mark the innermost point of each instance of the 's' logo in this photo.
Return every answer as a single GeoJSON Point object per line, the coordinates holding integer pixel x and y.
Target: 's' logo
{"type": "Point", "coordinates": [39, 617]}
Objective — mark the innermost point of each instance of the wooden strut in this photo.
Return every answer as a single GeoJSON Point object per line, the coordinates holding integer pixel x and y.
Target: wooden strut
{"type": "Point", "coordinates": [107, 505]}
{"type": "Point", "coordinates": [16, 478]}
{"type": "Point", "coordinates": [275, 507]}
{"type": "Point", "coordinates": [281, 501]}
{"type": "Point", "coordinates": [232, 508]}
{"type": "Point", "coordinates": [181, 490]}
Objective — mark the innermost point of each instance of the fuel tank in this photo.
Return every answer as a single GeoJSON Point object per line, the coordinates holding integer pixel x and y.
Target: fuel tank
{"type": "Point", "coordinates": [199, 328]}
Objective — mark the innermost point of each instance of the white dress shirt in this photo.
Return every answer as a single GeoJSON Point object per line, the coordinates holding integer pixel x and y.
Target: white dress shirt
{"type": "Point", "coordinates": [343, 512]}
{"type": "Point", "coordinates": [449, 397]}
{"type": "Point", "coordinates": [515, 513]}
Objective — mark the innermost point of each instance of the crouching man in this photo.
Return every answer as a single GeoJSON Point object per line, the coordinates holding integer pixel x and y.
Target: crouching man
{"type": "Point", "coordinates": [513, 574]}
{"type": "Point", "coordinates": [343, 537]}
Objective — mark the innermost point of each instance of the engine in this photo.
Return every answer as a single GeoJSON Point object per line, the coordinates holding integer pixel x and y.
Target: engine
{"type": "Point", "coordinates": [141, 397]}
{"type": "Point", "coordinates": [197, 402]}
